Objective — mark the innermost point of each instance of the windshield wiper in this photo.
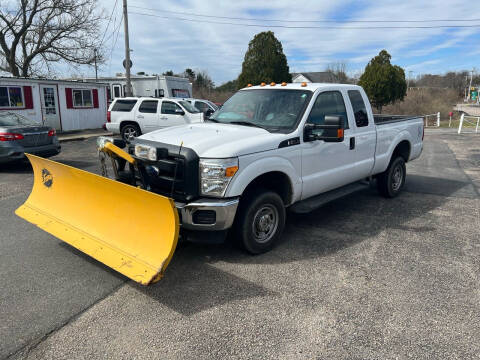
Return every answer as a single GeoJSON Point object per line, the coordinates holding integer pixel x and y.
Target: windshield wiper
{"type": "Point", "coordinates": [246, 123]}
{"type": "Point", "coordinates": [213, 120]}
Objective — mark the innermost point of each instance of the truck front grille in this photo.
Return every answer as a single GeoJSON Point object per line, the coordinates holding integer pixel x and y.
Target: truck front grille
{"type": "Point", "coordinates": [178, 171]}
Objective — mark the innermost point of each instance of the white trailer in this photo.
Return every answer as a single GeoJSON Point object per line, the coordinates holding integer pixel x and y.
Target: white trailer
{"type": "Point", "coordinates": [144, 85]}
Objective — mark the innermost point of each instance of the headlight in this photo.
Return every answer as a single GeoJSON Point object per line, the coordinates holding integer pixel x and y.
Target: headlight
{"type": "Point", "coordinates": [102, 140]}
{"type": "Point", "coordinates": [216, 174]}
{"type": "Point", "coordinates": [146, 152]}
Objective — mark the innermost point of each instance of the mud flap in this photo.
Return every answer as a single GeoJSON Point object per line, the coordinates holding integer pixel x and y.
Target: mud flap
{"type": "Point", "coordinates": [128, 229]}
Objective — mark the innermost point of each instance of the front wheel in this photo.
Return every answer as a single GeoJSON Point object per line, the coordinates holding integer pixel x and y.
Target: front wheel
{"type": "Point", "coordinates": [392, 180]}
{"type": "Point", "coordinates": [260, 221]}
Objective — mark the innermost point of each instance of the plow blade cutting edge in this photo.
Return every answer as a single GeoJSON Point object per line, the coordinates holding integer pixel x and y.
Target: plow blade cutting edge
{"type": "Point", "coordinates": [128, 229]}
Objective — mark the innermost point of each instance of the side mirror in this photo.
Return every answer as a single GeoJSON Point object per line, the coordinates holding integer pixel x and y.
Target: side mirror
{"type": "Point", "coordinates": [331, 131]}
{"type": "Point", "coordinates": [179, 112]}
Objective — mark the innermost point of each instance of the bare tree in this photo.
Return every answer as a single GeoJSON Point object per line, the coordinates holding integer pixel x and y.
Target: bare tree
{"type": "Point", "coordinates": [339, 69]}
{"type": "Point", "coordinates": [36, 33]}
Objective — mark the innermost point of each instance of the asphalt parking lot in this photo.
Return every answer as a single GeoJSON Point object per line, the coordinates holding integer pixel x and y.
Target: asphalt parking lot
{"type": "Point", "coordinates": [361, 278]}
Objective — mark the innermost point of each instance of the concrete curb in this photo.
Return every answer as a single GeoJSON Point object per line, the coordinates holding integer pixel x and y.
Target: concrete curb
{"type": "Point", "coordinates": [80, 137]}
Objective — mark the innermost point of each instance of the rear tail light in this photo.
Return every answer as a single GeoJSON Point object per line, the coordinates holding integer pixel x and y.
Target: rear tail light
{"type": "Point", "coordinates": [10, 136]}
{"type": "Point", "coordinates": [52, 132]}
{"type": "Point", "coordinates": [108, 117]}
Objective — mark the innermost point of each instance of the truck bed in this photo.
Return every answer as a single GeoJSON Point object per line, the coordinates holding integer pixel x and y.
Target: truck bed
{"type": "Point", "coordinates": [388, 119]}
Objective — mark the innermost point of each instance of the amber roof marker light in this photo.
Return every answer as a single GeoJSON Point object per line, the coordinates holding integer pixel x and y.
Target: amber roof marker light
{"type": "Point", "coordinates": [262, 84]}
{"type": "Point", "coordinates": [284, 83]}
{"type": "Point", "coordinates": [249, 85]}
{"type": "Point", "coordinates": [272, 83]}
{"type": "Point", "coordinates": [303, 84]}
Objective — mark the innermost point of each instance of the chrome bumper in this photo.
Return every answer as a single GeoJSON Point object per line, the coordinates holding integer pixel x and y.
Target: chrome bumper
{"type": "Point", "coordinates": [224, 209]}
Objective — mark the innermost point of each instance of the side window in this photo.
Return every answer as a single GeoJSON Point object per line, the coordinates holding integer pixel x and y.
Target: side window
{"type": "Point", "coordinates": [200, 105]}
{"type": "Point", "coordinates": [328, 103]}
{"type": "Point", "coordinates": [169, 107]}
{"type": "Point", "coordinates": [148, 106]}
{"type": "Point", "coordinates": [359, 109]}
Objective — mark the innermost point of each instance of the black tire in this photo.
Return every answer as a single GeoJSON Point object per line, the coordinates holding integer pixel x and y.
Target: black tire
{"type": "Point", "coordinates": [260, 221]}
{"type": "Point", "coordinates": [130, 129]}
{"type": "Point", "coordinates": [390, 183]}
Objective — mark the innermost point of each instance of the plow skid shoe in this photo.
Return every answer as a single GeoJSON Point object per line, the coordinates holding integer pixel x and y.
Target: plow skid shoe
{"type": "Point", "coordinates": [128, 229]}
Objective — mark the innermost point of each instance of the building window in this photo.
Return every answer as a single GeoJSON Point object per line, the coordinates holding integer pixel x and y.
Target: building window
{"type": "Point", "coordinates": [182, 93]}
{"type": "Point", "coordinates": [82, 98]}
{"type": "Point", "coordinates": [11, 97]}
{"type": "Point", "coordinates": [117, 91]}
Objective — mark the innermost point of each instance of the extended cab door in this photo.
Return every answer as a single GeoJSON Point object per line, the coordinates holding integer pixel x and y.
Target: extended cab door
{"type": "Point", "coordinates": [328, 165]}
{"type": "Point", "coordinates": [365, 133]}
{"type": "Point", "coordinates": [171, 114]}
{"type": "Point", "coordinates": [147, 115]}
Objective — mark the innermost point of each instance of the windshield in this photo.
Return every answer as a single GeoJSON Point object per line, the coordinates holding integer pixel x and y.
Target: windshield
{"type": "Point", "coordinates": [12, 119]}
{"type": "Point", "coordinates": [215, 107]}
{"type": "Point", "coordinates": [189, 107]}
{"type": "Point", "coordinates": [274, 110]}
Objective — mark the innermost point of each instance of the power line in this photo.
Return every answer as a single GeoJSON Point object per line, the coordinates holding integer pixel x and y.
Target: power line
{"type": "Point", "coordinates": [303, 21]}
{"type": "Point", "coordinates": [114, 43]}
{"type": "Point", "coordinates": [308, 27]}
{"type": "Point", "coordinates": [109, 21]}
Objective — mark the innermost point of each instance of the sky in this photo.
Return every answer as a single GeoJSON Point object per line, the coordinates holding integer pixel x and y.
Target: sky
{"type": "Point", "coordinates": [160, 44]}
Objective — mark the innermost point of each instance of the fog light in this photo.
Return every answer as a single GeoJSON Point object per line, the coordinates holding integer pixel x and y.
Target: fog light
{"type": "Point", "coordinates": [204, 217]}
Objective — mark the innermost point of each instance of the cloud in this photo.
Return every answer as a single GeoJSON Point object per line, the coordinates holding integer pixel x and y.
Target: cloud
{"type": "Point", "coordinates": [163, 44]}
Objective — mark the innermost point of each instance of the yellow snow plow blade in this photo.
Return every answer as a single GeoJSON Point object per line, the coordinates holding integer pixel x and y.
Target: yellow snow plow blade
{"type": "Point", "coordinates": [128, 229]}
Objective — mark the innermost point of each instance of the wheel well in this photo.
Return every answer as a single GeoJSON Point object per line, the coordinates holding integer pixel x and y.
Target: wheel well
{"type": "Point", "coordinates": [403, 150]}
{"type": "Point", "coordinates": [127, 122]}
{"type": "Point", "coordinates": [276, 181]}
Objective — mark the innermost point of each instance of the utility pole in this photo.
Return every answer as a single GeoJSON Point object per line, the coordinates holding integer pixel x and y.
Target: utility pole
{"type": "Point", "coordinates": [408, 80]}
{"type": "Point", "coordinates": [96, 73]}
{"type": "Point", "coordinates": [470, 86]}
{"type": "Point", "coordinates": [128, 86]}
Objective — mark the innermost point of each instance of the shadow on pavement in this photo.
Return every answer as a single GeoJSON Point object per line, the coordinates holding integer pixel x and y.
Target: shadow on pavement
{"type": "Point", "coordinates": [192, 282]}
{"type": "Point", "coordinates": [192, 285]}
{"type": "Point", "coordinates": [16, 167]}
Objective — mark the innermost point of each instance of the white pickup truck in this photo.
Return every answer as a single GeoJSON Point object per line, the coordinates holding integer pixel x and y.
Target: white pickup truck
{"type": "Point", "coordinates": [269, 148]}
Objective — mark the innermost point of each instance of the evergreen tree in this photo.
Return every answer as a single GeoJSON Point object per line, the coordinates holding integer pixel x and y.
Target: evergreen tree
{"type": "Point", "coordinates": [383, 82]}
{"type": "Point", "coordinates": [264, 61]}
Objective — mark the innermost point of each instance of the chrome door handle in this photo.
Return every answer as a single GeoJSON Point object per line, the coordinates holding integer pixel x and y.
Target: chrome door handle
{"type": "Point", "coordinates": [164, 118]}
{"type": "Point", "coordinates": [140, 116]}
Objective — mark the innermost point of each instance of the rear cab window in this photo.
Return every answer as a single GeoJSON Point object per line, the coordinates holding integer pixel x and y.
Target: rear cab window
{"type": "Point", "coordinates": [124, 105]}
{"type": "Point", "coordinates": [359, 109]}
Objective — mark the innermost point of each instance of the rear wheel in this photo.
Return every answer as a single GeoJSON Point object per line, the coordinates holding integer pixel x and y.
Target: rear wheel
{"type": "Point", "coordinates": [130, 130]}
{"type": "Point", "coordinates": [260, 221]}
{"type": "Point", "coordinates": [390, 183]}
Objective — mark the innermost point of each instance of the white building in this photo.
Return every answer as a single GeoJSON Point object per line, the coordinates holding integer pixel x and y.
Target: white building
{"type": "Point", "coordinates": [147, 85]}
{"type": "Point", "coordinates": [64, 105]}
{"type": "Point", "coordinates": [314, 77]}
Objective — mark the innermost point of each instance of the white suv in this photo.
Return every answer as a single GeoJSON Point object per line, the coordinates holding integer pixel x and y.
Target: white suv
{"type": "Point", "coordinates": [133, 116]}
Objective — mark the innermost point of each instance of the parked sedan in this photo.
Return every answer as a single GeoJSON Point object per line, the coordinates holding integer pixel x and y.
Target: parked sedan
{"type": "Point", "coordinates": [19, 135]}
